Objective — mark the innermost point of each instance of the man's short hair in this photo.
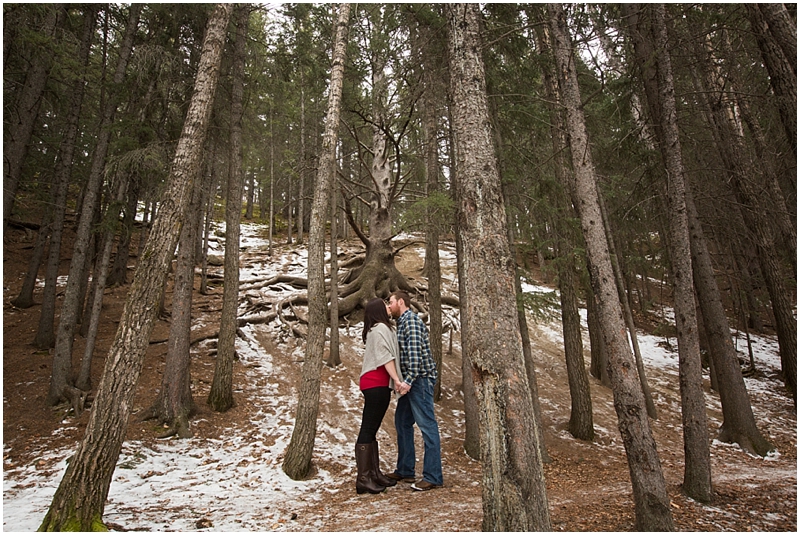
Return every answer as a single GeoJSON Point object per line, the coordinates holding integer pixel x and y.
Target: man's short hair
{"type": "Point", "coordinates": [401, 295]}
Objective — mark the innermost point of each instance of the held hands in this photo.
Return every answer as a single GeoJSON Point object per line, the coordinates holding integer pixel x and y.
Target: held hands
{"type": "Point", "coordinates": [402, 388]}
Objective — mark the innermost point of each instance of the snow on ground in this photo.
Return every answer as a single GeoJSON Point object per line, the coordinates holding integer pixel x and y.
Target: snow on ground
{"type": "Point", "coordinates": [236, 479]}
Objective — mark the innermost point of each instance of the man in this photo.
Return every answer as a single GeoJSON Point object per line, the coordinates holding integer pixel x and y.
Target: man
{"type": "Point", "coordinates": [419, 372]}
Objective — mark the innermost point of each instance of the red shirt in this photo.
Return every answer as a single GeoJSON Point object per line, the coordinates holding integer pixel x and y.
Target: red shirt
{"type": "Point", "coordinates": [375, 378]}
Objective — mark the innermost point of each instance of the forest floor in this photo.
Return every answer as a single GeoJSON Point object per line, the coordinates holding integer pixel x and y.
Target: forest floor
{"type": "Point", "coordinates": [235, 456]}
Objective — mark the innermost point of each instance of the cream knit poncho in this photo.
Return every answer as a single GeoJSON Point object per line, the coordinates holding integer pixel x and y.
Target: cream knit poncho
{"type": "Point", "coordinates": [381, 348]}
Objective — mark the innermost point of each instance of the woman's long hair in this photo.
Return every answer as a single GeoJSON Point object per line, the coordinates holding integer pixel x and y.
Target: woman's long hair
{"type": "Point", "coordinates": [375, 312]}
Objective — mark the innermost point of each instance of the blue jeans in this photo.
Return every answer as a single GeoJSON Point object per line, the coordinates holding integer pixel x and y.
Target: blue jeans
{"type": "Point", "coordinates": [417, 407]}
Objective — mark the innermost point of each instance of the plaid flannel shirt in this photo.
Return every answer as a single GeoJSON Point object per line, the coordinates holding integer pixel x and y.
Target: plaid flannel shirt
{"type": "Point", "coordinates": [416, 359]}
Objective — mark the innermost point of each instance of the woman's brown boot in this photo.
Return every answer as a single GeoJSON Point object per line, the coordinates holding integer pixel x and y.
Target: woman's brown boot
{"type": "Point", "coordinates": [365, 480]}
{"type": "Point", "coordinates": [376, 460]}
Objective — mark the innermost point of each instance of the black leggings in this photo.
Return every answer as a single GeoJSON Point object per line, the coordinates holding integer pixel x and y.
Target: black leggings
{"type": "Point", "coordinates": [376, 401]}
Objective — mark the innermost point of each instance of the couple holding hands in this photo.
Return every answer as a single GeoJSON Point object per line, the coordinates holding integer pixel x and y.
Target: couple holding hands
{"type": "Point", "coordinates": [398, 360]}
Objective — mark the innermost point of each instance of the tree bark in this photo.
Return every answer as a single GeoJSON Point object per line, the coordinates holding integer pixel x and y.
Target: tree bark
{"type": "Point", "coordinates": [433, 270]}
{"type": "Point", "coordinates": [297, 462]}
{"type": "Point", "coordinates": [174, 404]}
{"type": "Point", "coordinates": [514, 495]}
{"type": "Point", "coordinates": [776, 204]}
{"type": "Point", "coordinates": [62, 357]}
{"type": "Point", "coordinates": [303, 166]}
{"type": "Point", "coordinates": [271, 182]}
{"type": "Point", "coordinates": [530, 363]}
{"type": "Point", "coordinates": [334, 358]}
{"type": "Point", "coordinates": [581, 424]}
{"type": "Point", "coordinates": [472, 434]}
{"type": "Point", "coordinates": [80, 498]}
{"type": "Point", "coordinates": [626, 311]}
{"type": "Point", "coordinates": [697, 464]}
{"type": "Point", "coordinates": [209, 198]}
{"type": "Point", "coordinates": [251, 184]}
{"type": "Point", "coordinates": [220, 397]}
{"type": "Point", "coordinates": [598, 365]}
{"type": "Point", "coordinates": [783, 29]}
{"type": "Point", "coordinates": [650, 497]}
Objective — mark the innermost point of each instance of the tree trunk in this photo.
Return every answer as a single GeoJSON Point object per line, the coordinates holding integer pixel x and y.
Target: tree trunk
{"type": "Point", "coordinates": [251, 184]}
{"type": "Point", "coordinates": [650, 497]}
{"type": "Point", "coordinates": [174, 404]}
{"type": "Point", "coordinates": [25, 297]}
{"type": "Point", "coordinates": [472, 434]}
{"type": "Point", "coordinates": [302, 171]}
{"type": "Point", "coordinates": [514, 495]}
{"type": "Point", "coordinates": [118, 275]}
{"type": "Point", "coordinates": [378, 275]}
{"type": "Point", "coordinates": [777, 201]}
{"type": "Point", "coordinates": [599, 356]}
{"type": "Point", "coordinates": [783, 29]}
{"type": "Point", "coordinates": [626, 311]}
{"type": "Point", "coordinates": [733, 152]}
{"type": "Point", "coordinates": [220, 396]}
{"type": "Point", "coordinates": [62, 357]}
{"type": "Point", "coordinates": [91, 257]}
{"type": "Point", "coordinates": [80, 498]}
{"type": "Point", "coordinates": [21, 119]}
{"type": "Point", "coordinates": [581, 424]}
{"type": "Point", "coordinates": [209, 198]}
{"type": "Point", "coordinates": [433, 270]}
{"type": "Point", "coordinates": [333, 348]}
{"type": "Point", "coordinates": [84, 379]}
{"type": "Point", "coordinates": [738, 422]}
{"type": "Point", "coordinates": [271, 181]}
{"type": "Point", "coordinates": [297, 462]}
{"type": "Point", "coordinates": [661, 96]}
{"type": "Point", "coordinates": [289, 207]}
{"type": "Point", "coordinates": [530, 363]}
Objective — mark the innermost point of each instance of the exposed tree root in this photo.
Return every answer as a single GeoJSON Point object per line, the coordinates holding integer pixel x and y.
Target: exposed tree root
{"type": "Point", "coordinates": [177, 424]}
{"type": "Point", "coordinates": [76, 397]}
{"type": "Point", "coordinates": [362, 276]}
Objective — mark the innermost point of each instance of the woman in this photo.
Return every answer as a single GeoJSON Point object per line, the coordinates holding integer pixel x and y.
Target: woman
{"type": "Point", "coordinates": [379, 374]}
